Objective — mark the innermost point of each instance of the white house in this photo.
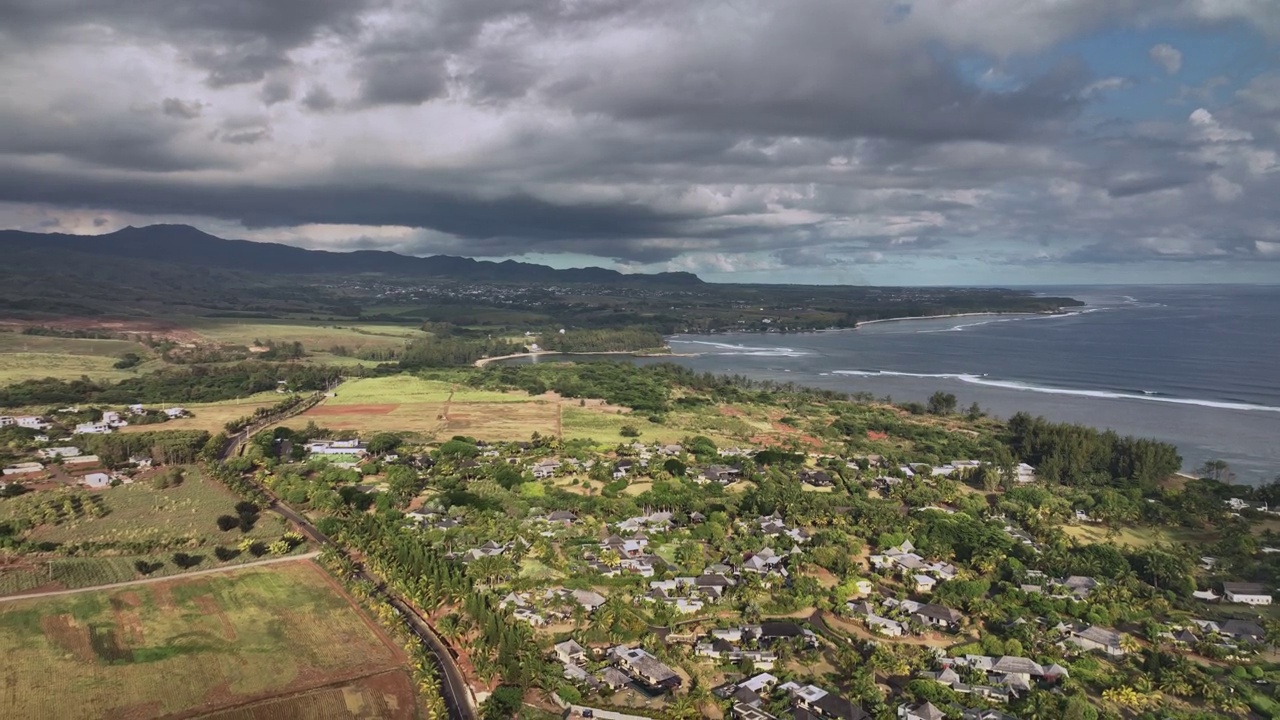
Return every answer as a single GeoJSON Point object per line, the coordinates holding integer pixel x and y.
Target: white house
{"type": "Point", "coordinates": [175, 412]}
{"type": "Point", "coordinates": [1026, 473]}
{"type": "Point", "coordinates": [336, 447]}
{"type": "Point", "coordinates": [137, 409]}
{"type": "Point", "coordinates": [98, 428]}
{"type": "Point", "coordinates": [64, 452]}
{"type": "Point", "coordinates": [1246, 593]}
{"type": "Point", "coordinates": [26, 421]}
{"type": "Point", "coordinates": [96, 480]}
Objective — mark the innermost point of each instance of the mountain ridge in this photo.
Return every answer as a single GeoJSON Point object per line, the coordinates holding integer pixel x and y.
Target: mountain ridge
{"type": "Point", "coordinates": [187, 245]}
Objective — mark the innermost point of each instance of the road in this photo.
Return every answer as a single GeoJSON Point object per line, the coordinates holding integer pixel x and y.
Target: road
{"type": "Point", "coordinates": [166, 578]}
{"type": "Point", "coordinates": [457, 694]}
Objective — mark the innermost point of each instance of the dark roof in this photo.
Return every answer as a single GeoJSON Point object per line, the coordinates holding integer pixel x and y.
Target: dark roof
{"type": "Point", "coordinates": [712, 581]}
{"type": "Point", "coordinates": [834, 706]}
{"type": "Point", "coordinates": [1242, 588]}
{"type": "Point", "coordinates": [938, 612]}
{"type": "Point", "coordinates": [1242, 628]}
{"type": "Point", "coordinates": [780, 629]}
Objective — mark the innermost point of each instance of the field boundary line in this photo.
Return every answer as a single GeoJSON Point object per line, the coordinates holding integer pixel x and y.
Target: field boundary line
{"type": "Point", "coordinates": [150, 581]}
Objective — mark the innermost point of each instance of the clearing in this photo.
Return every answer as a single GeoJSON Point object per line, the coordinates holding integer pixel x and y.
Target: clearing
{"type": "Point", "coordinates": [285, 637]}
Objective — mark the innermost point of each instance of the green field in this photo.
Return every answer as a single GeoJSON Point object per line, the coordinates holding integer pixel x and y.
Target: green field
{"type": "Point", "coordinates": [138, 517]}
{"type": "Point", "coordinates": [394, 389]}
{"type": "Point", "coordinates": [186, 646]}
{"type": "Point", "coordinates": [315, 336]}
{"type": "Point", "coordinates": [27, 357]}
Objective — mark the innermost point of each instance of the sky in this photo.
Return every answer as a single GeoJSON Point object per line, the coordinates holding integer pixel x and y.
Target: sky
{"type": "Point", "coordinates": [813, 141]}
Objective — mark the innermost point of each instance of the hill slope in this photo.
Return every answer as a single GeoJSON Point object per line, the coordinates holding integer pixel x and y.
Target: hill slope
{"type": "Point", "coordinates": [185, 245]}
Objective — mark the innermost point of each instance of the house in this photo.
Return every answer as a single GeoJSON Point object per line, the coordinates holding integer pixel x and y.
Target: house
{"type": "Point", "coordinates": [722, 474]}
{"type": "Point", "coordinates": [1246, 630]}
{"type": "Point", "coordinates": [925, 711]}
{"type": "Point", "coordinates": [613, 678]}
{"type": "Point", "coordinates": [570, 652]}
{"type": "Point", "coordinates": [175, 412]}
{"type": "Point", "coordinates": [545, 469]}
{"type": "Point", "coordinates": [816, 478]}
{"type": "Point", "coordinates": [26, 468]}
{"type": "Point", "coordinates": [96, 480]}
{"type": "Point", "coordinates": [562, 517]}
{"type": "Point", "coordinates": [64, 452]}
{"type": "Point", "coordinates": [1096, 638]}
{"type": "Point", "coordinates": [645, 668]}
{"type": "Point", "coordinates": [31, 422]}
{"type": "Point", "coordinates": [923, 583]}
{"type": "Point", "coordinates": [671, 449]}
{"type": "Point", "coordinates": [588, 599]}
{"type": "Point", "coordinates": [1080, 585]}
{"type": "Point", "coordinates": [98, 428]}
{"type": "Point", "coordinates": [113, 419]}
{"type": "Point", "coordinates": [1026, 474]}
{"type": "Point", "coordinates": [623, 468]}
{"type": "Point", "coordinates": [336, 447]}
{"type": "Point", "coordinates": [81, 461]}
{"type": "Point", "coordinates": [1246, 593]}
{"type": "Point", "coordinates": [884, 626]}
{"type": "Point", "coordinates": [939, 616]}
{"type": "Point", "coordinates": [811, 701]}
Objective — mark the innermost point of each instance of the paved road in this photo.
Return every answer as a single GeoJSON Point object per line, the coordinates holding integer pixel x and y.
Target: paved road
{"type": "Point", "coordinates": [456, 692]}
{"type": "Point", "coordinates": [166, 578]}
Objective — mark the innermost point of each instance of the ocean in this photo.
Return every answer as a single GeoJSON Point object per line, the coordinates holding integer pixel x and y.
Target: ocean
{"type": "Point", "coordinates": [1197, 366]}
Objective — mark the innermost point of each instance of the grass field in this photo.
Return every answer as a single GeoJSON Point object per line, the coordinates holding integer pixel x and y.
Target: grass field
{"type": "Point", "coordinates": [1135, 537]}
{"type": "Point", "coordinates": [27, 357]}
{"type": "Point", "coordinates": [314, 336]}
{"type": "Point", "coordinates": [211, 417]}
{"type": "Point", "coordinates": [400, 389]}
{"type": "Point", "coordinates": [194, 646]}
{"type": "Point", "coordinates": [178, 518]}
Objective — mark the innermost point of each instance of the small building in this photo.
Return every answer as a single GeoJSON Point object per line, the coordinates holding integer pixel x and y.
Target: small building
{"type": "Point", "coordinates": [1096, 638]}
{"type": "Point", "coordinates": [645, 668]}
{"type": "Point", "coordinates": [96, 480]}
{"type": "Point", "coordinates": [26, 468]}
{"type": "Point", "coordinates": [1245, 593]}
{"type": "Point", "coordinates": [62, 452]}
{"type": "Point", "coordinates": [336, 447]}
{"type": "Point", "coordinates": [175, 412]}
{"type": "Point", "coordinates": [570, 652]}
{"type": "Point", "coordinates": [92, 428]}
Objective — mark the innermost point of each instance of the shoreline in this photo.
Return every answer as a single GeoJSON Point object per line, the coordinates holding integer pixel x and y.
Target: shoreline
{"type": "Point", "coordinates": [538, 353]}
{"type": "Point", "coordinates": [860, 323]}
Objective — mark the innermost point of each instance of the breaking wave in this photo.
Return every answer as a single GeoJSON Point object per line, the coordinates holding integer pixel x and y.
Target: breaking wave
{"type": "Point", "coordinates": [983, 380]}
{"type": "Point", "coordinates": [730, 349]}
{"type": "Point", "coordinates": [1015, 318]}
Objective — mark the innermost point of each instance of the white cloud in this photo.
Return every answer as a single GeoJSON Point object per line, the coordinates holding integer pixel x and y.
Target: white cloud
{"type": "Point", "coordinates": [1167, 57]}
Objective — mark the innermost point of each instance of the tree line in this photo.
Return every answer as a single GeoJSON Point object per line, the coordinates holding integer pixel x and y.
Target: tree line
{"type": "Point", "coordinates": [1070, 454]}
{"type": "Point", "coordinates": [194, 384]}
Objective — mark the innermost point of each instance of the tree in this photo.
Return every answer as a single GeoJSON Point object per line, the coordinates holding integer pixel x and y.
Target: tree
{"type": "Point", "coordinates": [228, 522]}
{"type": "Point", "coordinates": [630, 431]}
{"type": "Point", "coordinates": [1218, 470]}
{"type": "Point", "coordinates": [383, 443]}
{"type": "Point", "coordinates": [941, 403]}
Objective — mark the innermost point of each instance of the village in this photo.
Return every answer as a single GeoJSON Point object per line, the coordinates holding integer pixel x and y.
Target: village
{"type": "Point", "coordinates": [746, 604]}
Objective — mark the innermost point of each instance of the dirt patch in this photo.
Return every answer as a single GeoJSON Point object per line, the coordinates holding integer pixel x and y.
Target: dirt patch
{"type": "Point", "coordinates": [68, 635]}
{"type": "Point", "coordinates": [131, 327]}
{"type": "Point", "coordinates": [330, 410]}
{"type": "Point", "coordinates": [124, 610]}
{"type": "Point", "coordinates": [730, 411]}
{"type": "Point", "coordinates": [209, 606]}
{"type": "Point", "coordinates": [876, 435]}
{"type": "Point", "coordinates": [396, 650]}
{"type": "Point", "coordinates": [162, 593]}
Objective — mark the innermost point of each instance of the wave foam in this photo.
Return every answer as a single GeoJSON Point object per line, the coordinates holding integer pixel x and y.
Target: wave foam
{"type": "Point", "coordinates": [730, 349]}
{"type": "Point", "coordinates": [1018, 318]}
{"type": "Point", "coordinates": [983, 380]}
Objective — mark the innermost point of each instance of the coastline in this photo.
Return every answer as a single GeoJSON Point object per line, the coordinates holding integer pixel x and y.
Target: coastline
{"type": "Point", "coordinates": [860, 323]}
{"type": "Point", "coordinates": [537, 353]}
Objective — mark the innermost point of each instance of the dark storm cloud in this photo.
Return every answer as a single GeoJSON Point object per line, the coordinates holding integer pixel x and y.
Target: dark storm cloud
{"type": "Point", "coordinates": [319, 99]}
{"type": "Point", "coordinates": [492, 226]}
{"type": "Point", "coordinates": [176, 108]}
{"type": "Point", "coordinates": [235, 41]}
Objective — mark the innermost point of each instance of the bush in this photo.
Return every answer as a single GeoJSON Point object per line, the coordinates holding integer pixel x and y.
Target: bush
{"type": "Point", "coordinates": [185, 561]}
{"type": "Point", "coordinates": [146, 568]}
{"type": "Point", "coordinates": [228, 522]}
{"type": "Point", "coordinates": [629, 431]}
{"type": "Point", "coordinates": [225, 553]}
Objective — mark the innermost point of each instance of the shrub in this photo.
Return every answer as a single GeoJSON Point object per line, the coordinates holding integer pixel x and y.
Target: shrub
{"type": "Point", "coordinates": [228, 522]}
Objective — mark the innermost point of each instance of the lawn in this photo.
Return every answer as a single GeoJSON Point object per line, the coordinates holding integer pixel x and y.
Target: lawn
{"type": "Point", "coordinates": [190, 646]}
{"type": "Point", "coordinates": [604, 428]}
{"type": "Point", "coordinates": [27, 357]}
{"type": "Point", "coordinates": [141, 523]}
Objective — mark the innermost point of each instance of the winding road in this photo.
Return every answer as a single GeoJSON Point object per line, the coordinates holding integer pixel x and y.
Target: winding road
{"type": "Point", "coordinates": [457, 694]}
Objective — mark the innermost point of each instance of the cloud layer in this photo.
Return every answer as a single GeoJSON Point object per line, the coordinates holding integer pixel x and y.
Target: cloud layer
{"type": "Point", "coordinates": [749, 136]}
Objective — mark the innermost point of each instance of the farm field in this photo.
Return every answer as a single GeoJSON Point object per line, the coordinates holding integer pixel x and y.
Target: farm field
{"type": "Point", "coordinates": [211, 417]}
{"type": "Point", "coordinates": [181, 518]}
{"type": "Point", "coordinates": [285, 637]}
{"type": "Point", "coordinates": [314, 336]}
{"type": "Point", "coordinates": [27, 357]}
